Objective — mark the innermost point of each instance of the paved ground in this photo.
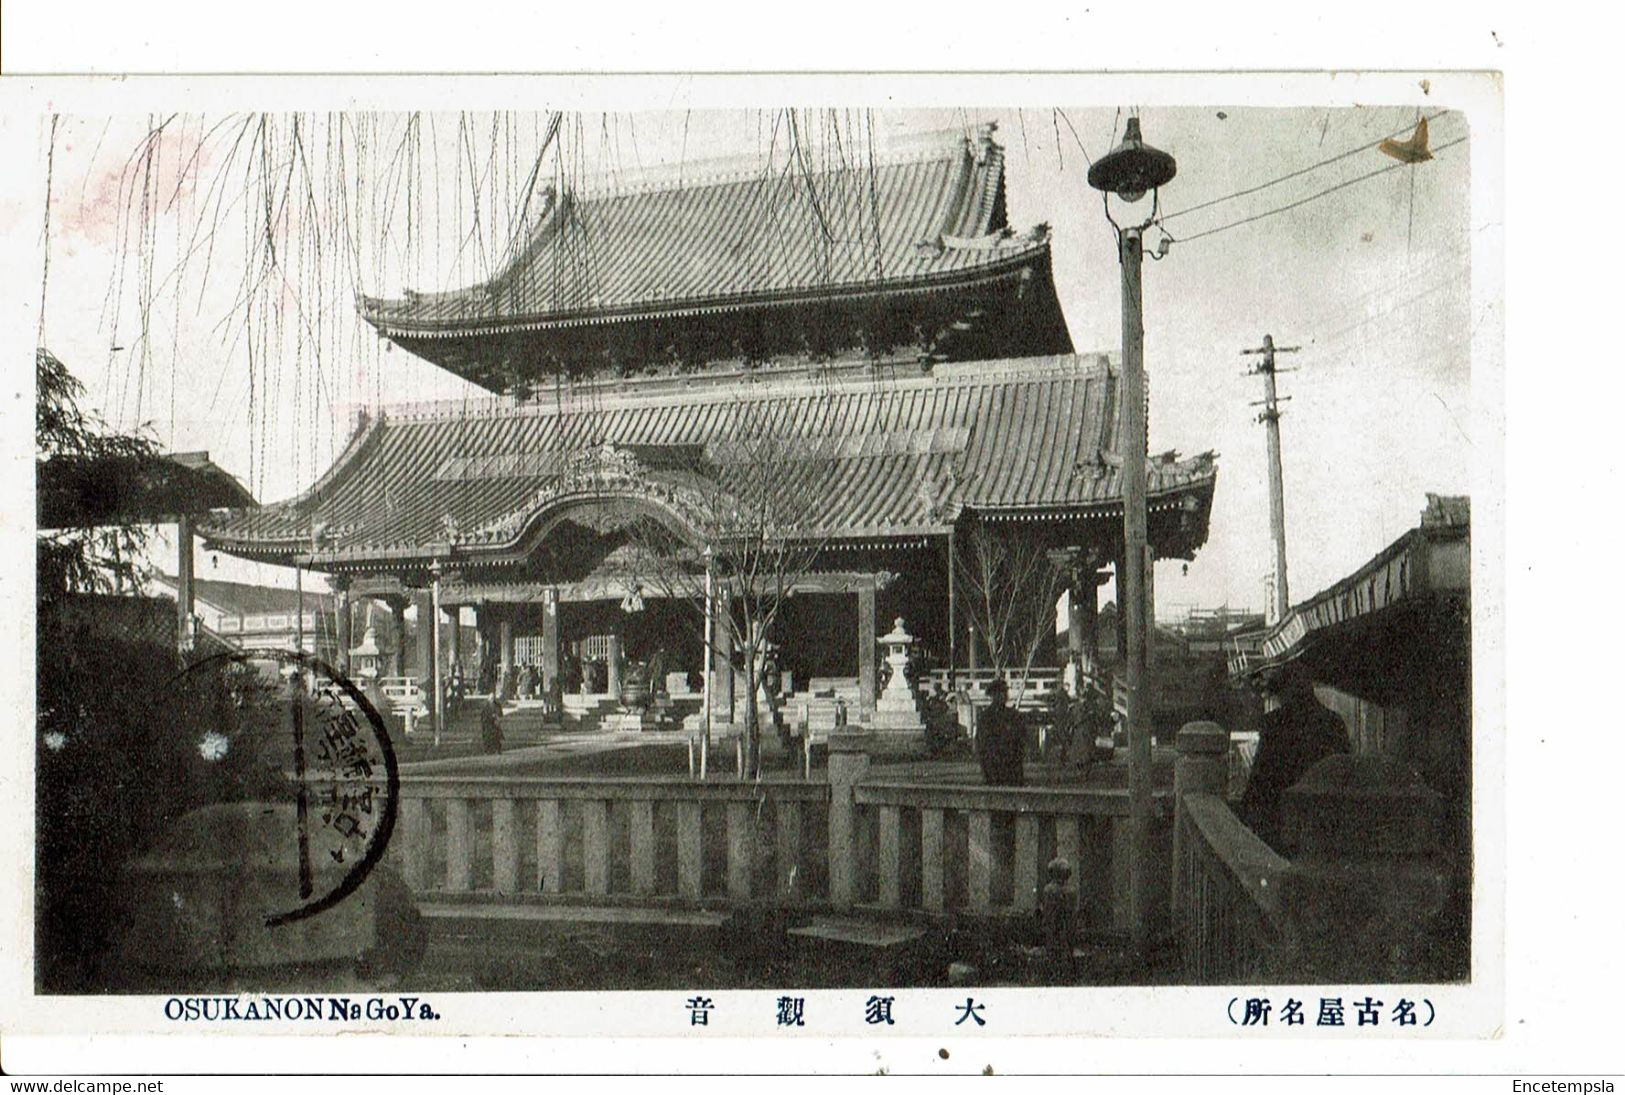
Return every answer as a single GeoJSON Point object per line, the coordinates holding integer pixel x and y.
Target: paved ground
{"type": "Point", "coordinates": [758, 953]}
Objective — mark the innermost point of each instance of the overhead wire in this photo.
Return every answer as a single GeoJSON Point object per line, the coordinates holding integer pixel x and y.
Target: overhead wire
{"type": "Point", "coordinates": [1303, 201]}
{"type": "Point", "coordinates": [1290, 175]}
{"type": "Point", "coordinates": [1087, 159]}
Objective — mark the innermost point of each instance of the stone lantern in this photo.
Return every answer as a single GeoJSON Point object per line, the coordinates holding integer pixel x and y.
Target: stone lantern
{"type": "Point", "coordinates": [367, 659]}
{"type": "Point", "coordinates": [897, 709]}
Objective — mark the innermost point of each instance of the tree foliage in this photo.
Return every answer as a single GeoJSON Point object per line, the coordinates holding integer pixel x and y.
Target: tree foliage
{"type": "Point", "coordinates": [89, 559]}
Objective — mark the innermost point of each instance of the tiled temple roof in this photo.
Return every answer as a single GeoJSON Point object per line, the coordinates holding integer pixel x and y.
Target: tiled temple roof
{"type": "Point", "coordinates": [888, 457]}
{"type": "Point", "coordinates": [247, 598]}
{"type": "Point", "coordinates": [927, 222]}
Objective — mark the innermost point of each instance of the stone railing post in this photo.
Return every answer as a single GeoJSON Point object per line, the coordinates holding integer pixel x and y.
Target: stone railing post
{"type": "Point", "coordinates": [848, 766]}
{"type": "Point", "coordinates": [1202, 767]}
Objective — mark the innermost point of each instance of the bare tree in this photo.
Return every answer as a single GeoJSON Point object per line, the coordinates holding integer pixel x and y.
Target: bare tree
{"type": "Point", "coordinates": [1011, 586]}
{"type": "Point", "coordinates": [750, 502]}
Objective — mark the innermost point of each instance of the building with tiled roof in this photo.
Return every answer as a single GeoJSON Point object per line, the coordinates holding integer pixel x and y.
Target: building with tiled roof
{"type": "Point", "coordinates": [889, 461]}
{"type": "Point", "coordinates": [262, 618]}
{"type": "Point", "coordinates": [871, 358]}
{"type": "Point", "coordinates": [912, 257]}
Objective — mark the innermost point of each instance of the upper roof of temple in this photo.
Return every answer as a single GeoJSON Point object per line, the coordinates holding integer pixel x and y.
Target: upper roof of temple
{"type": "Point", "coordinates": [712, 247]}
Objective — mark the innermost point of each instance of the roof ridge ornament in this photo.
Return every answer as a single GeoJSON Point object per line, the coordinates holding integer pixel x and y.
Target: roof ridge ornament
{"type": "Point", "coordinates": [604, 462]}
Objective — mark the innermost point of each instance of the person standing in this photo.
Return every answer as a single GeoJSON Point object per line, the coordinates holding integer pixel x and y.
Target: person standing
{"type": "Point", "coordinates": [1000, 738]}
{"type": "Point", "coordinates": [491, 726]}
{"type": "Point", "coordinates": [1292, 739]}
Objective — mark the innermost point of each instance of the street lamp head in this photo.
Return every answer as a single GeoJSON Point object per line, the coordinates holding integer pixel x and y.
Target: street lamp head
{"type": "Point", "coordinates": [1133, 167]}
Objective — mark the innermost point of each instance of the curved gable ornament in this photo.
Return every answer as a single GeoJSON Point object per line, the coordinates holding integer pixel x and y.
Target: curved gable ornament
{"type": "Point", "coordinates": [601, 473]}
{"type": "Point", "coordinates": [604, 466]}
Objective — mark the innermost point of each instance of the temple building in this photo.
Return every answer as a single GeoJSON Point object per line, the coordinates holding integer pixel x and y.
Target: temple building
{"type": "Point", "coordinates": [819, 386]}
{"type": "Point", "coordinates": [257, 618]}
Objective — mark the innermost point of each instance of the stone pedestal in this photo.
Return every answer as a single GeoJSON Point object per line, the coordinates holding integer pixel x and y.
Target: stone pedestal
{"type": "Point", "coordinates": [617, 721]}
{"type": "Point", "coordinates": [1203, 764]}
{"type": "Point", "coordinates": [1369, 881]}
{"type": "Point", "coordinates": [196, 906]}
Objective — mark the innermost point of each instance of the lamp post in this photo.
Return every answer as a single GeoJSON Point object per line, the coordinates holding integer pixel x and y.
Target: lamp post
{"type": "Point", "coordinates": [1129, 171]}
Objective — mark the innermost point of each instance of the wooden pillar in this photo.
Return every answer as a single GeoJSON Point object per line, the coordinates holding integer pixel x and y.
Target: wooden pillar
{"type": "Point", "coordinates": [722, 661]}
{"type": "Point", "coordinates": [550, 639]}
{"type": "Point", "coordinates": [953, 616]}
{"type": "Point", "coordinates": [423, 668]}
{"type": "Point", "coordinates": [612, 667]}
{"type": "Point", "coordinates": [1134, 594]}
{"type": "Point", "coordinates": [1091, 612]}
{"type": "Point", "coordinates": [1150, 608]}
{"type": "Point", "coordinates": [436, 674]}
{"type": "Point", "coordinates": [342, 587]}
{"type": "Point", "coordinates": [505, 643]}
{"type": "Point", "coordinates": [866, 647]}
{"type": "Point", "coordinates": [1074, 622]}
{"type": "Point", "coordinates": [184, 571]}
{"type": "Point", "coordinates": [482, 640]}
{"type": "Point", "coordinates": [1122, 622]}
{"type": "Point", "coordinates": [454, 615]}
{"type": "Point", "coordinates": [397, 628]}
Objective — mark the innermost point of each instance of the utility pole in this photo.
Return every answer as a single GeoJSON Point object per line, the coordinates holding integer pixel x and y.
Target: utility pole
{"type": "Point", "coordinates": [1271, 417]}
{"type": "Point", "coordinates": [1131, 593]}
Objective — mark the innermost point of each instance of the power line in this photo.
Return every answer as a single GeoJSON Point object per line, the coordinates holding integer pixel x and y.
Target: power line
{"type": "Point", "coordinates": [1087, 159]}
{"type": "Point", "coordinates": [1305, 201]}
{"type": "Point", "coordinates": [1331, 337]}
{"type": "Point", "coordinates": [1295, 174]}
{"type": "Point", "coordinates": [1446, 265]}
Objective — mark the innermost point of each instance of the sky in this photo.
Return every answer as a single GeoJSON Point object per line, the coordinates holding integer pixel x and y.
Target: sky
{"type": "Point", "coordinates": [1371, 280]}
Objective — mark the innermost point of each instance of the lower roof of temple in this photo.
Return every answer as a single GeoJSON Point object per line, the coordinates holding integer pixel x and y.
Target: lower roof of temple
{"type": "Point", "coordinates": [867, 455]}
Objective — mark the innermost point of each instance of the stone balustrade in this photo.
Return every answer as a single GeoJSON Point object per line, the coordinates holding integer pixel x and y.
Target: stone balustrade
{"type": "Point", "coordinates": [853, 843]}
{"type": "Point", "coordinates": [1359, 898]}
